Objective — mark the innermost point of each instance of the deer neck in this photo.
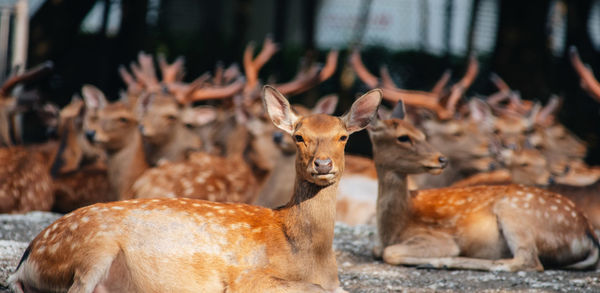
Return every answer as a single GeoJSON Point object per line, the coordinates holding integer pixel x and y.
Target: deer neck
{"type": "Point", "coordinates": [394, 204]}
{"type": "Point", "coordinates": [309, 218]}
{"type": "Point", "coordinates": [126, 165]}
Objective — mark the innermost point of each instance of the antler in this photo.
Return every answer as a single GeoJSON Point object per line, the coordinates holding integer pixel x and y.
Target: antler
{"type": "Point", "coordinates": [173, 72]}
{"type": "Point", "coordinates": [439, 86]}
{"type": "Point", "coordinates": [33, 73]}
{"type": "Point", "coordinates": [461, 87]}
{"type": "Point", "coordinates": [588, 82]}
{"type": "Point", "coordinates": [253, 66]}
{"type": "Point", "coordinates": [307, 79]}
{"type": "Point", "coordinates": [546, 115]}
{"type": "Point", "coordinates": [410, 97]}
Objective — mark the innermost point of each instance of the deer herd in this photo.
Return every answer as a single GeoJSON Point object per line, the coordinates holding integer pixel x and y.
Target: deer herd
{"type": "Point", "coordinates": [221, 184]}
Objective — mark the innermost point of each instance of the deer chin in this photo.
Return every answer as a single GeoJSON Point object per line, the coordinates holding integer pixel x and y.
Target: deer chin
{"type": "Point", "coordinates": [323, 179]}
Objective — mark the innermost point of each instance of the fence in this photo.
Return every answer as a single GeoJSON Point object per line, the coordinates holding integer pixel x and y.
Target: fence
{"type": "Point", "coordinates": [14, 29]}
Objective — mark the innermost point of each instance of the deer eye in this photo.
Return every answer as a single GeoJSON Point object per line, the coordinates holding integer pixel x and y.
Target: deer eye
{"type": "Point", "coordinates": [458, 134]}
{"type": "Point", "coordinates": [189, 126]}
{"type": "Point", "coordinates": [343, 138]}
{"type": "Point", "coordinates": [404, 139]}
{"type": "Point", "coordinates": [524, 164]}
{"type": "Point", "coordinates": [123, 120]}
{"type": "Point", "coordinates": [496, 131]}
{"type": "Point", "coordinates": [171, 117]}
{"type": "Point", "coordinates": [298, 138]}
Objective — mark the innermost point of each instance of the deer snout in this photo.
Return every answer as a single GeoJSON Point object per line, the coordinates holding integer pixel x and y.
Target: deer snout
{"type": "Point", "coordinates": [443, 161]}
{"type": "Point", "coordinates": [90, 135]}
{"type": "Point", "coordinates": [278, 137]}
{"type": "Point", "coordinates": [323, 166]}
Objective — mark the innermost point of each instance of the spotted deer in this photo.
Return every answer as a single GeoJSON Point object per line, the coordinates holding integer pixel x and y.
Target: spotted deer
{"type": "Point", "coordinates": [530, 167]}
{"type": "Point", "coordinates": [496, 228]}
{"type": "Point", "coordinates": [142, 245]}
{"type": "Point", "coordinates": [465, 139]}
{"type": "Point", "coordinates": [203, 176]}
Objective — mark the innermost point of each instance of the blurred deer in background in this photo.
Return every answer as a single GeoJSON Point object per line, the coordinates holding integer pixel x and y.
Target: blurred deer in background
{"type": "Point", "coordinates": [465, 140]}
{"type": "Point", "coordinates": [209, 246]}
{"type": "Point", "coordinates": [25, 181]}
{"type": "Point", "coordinates": [78, 170]}
{"type": "Point", "coordinates": [507, 228]}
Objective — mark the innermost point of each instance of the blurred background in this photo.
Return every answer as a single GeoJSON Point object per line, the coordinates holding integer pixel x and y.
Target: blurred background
{"type": "Point", "coordinates": [525, 42]}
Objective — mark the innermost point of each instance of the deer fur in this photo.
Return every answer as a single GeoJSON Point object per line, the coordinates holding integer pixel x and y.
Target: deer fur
{"type": "Point", "coordinates": [186, 245]}
{"type": "Point", "coordinates": [496, 228]}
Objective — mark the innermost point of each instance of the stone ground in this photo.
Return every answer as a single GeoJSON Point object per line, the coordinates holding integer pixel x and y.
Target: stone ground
{"type": "Point", "coordinates": [358, 271]}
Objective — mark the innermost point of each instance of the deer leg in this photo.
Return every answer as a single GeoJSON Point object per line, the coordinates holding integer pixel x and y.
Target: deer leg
{"type": "Point", "coordinates": [430, 245]}
{"type": "Point", "coordinates": [437, 250]}
{"type": "Point", "coordinates": [261, 282]}
{"type": "Point", "coordinates": [88, 280]}
{"type": "Point", "coordinates": [520, 241]}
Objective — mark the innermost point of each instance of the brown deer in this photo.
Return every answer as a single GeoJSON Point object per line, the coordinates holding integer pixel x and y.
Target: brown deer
{"type": "Point", "coordinates": [466, 140]}
{"type": "Point", "coordinates": [115, 130]}
{"type": "Point", "coordinates": [496, 228]}
{"type": "Point", "coordinates": [78, 170]}
{"type": "Point", "coordinates": [133, 245]}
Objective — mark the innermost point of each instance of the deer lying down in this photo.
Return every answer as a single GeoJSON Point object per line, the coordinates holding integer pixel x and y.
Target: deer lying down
{"type": "Point", "coordinates": [496, 228]}
{"type": "Point", "coordinates": [185, 245]}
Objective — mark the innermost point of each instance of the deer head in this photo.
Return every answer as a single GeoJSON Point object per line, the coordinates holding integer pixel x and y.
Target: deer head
{"type": "Point", "coordinates": [320, 139]}
{"type": "Point", "coordinates": [398, 145]}
{"type": "Point", "coordinates": [110, 126]}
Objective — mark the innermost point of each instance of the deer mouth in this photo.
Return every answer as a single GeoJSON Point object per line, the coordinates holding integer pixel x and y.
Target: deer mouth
{"type": "Point", "coordinates": [434, 169]}
{"type": "Point", "coordinates": [324, 176]}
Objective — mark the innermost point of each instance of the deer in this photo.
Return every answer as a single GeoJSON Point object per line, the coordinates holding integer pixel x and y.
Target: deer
{"type": "Point", "coordinates": [466, 140]}
{"type": "Point", "coordinates": [78, 171]}
{"type": "Point", "coordinates": [115, 130]}
{"type": "Point", "coordinates": [491, 228]}
{"type": "Point", "coordinates": [209, 246]}
{"type": "Point", "coordinates": [26, 183]}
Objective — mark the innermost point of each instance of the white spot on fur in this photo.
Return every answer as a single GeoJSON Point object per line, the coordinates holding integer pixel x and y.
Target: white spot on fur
{"type": "Point", "coordinates": [519, 192]}
{"type": "Point", "coordinates": [528, 196]}
{"type": "Point", "coordinates": [573, 214]}
{"type": "Point", "coordinates": [85, 219]}
{"type": "Point", "coordinates": [73, 226]}
{"type": "Point", "coordinates": [554, 208]}
{"type": "Point", "coordinates": [196, 204]}
{"type": "Point", "coordinates": [541, 200]}
{"type": "Point", "coordinates": [117, 208]}
{"type": "Point", "coordinates": [526, 205]}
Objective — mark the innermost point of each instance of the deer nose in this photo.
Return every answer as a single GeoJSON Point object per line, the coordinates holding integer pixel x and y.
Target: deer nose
{"type": "Point", "coordinates": [323, 166]}
{"type": "Point", "coordinates": [492, 166]}
{"type": "Point", "coordinates": [52, 132]}
{"type": "Point", "coordinates": [551, 180]}
{"type": "Point", "coordinates": [278, 137]}
{"type": "Point", "coordinates": [443, 161]}
{"type": "Point", "coordinates": [141, 128]}
{"type": "Point", "coordinates": [90, 134]}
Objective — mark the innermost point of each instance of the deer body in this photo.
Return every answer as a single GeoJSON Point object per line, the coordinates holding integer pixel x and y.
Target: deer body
{"type": "Point", "coordinates": [186, 245]}
{"type": "Point", "coordinates": [505, 228]}
{"type": "Point", "coordinates": [25, 181]}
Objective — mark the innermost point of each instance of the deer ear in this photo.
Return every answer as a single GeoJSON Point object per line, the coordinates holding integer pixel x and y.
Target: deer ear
{"type": "Point", "coordinates": [279, 110]}
{"type": "Point", "coordinates": [326, 105]}
{"type": "Point", "coordinates": [399, 112]}
{"type": "Point", "coordinates": [363, 110]}
{"type": "Point", "coordinates": [93, 97]}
